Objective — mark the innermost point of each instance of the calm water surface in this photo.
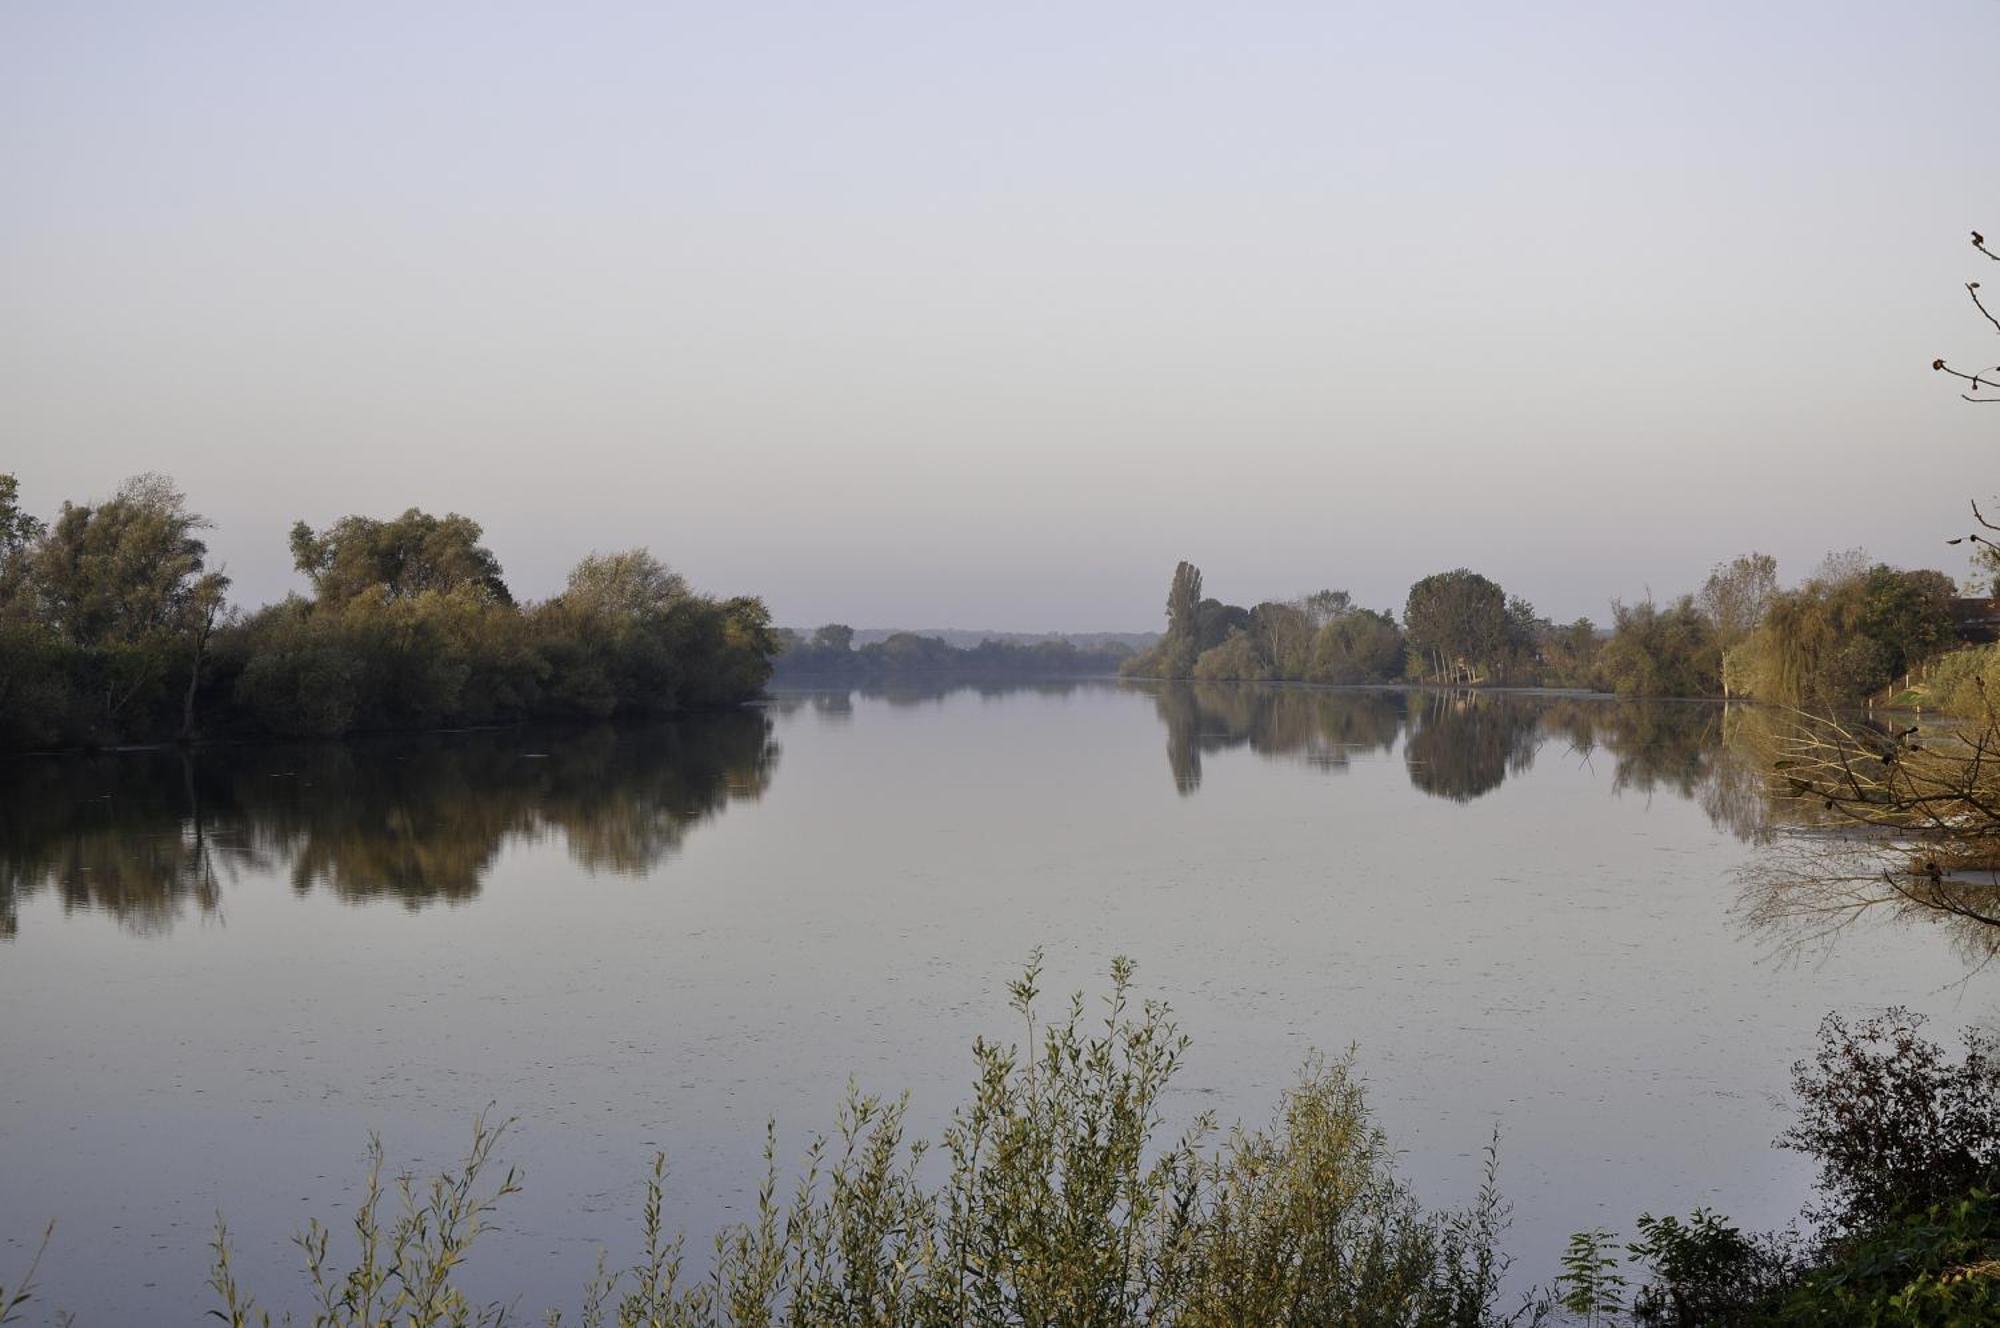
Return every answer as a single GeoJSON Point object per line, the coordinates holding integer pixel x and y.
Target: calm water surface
{"type": "Point", "coordinates": [220, 973]}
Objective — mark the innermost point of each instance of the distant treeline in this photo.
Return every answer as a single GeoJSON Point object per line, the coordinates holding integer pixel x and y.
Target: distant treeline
{"type": "Point", "coordinates": [830, 653]}
{"type": "Point", "coordinates": [114, 629]}
{"type": "Point", "coordinates": [962, 639]}
{"type": "Point", "coordinates": [1848, 631]}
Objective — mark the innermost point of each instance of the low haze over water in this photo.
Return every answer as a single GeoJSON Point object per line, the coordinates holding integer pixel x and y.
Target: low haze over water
{"type": "Point", "coordinates": [223, 971]}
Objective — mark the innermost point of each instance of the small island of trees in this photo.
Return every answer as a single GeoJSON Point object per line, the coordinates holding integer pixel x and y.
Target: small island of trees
{"type": "Point", "coordinates": [114, 629]}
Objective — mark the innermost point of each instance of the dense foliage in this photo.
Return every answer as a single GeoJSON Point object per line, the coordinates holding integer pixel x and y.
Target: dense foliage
{"type": "Point", "coordinates": [1895, 1123]}
{"type": "Point", "coordinates": [113, 629]}
{"type": "Point", "coordinates": [1907, 1231]}
{"type": "Point", "coordinates": [1848, 632]}
{"type": "Point", "coordinates": [1323, 637]}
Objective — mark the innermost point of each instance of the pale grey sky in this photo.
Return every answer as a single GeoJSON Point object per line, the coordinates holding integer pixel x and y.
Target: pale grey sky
{"type": "Point", "coordinates": [983, 315]}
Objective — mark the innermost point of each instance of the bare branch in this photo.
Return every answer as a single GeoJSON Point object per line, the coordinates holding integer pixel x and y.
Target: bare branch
{"type": "Point", "coordinates": [1978, 380]}
{"type": "Point", "coordinates": [1972, 289]}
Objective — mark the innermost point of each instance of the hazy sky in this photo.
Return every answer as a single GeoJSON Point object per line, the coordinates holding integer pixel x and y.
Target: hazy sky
{"type": "Point", "coordinates": [983, 315]}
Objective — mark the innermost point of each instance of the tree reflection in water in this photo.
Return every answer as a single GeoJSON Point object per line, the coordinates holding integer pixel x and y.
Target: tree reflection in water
{"type": "Point", "coordinates": [145, 836]}
{"type": "Point", "coordinates": [1827, 870]}
{"type": "Point", "coordinates": [1463, 745]}
{"type": "Point", "coordinates": [1814, 875]}
{"type": "Point", "coordinates": [1320, 728]}
{"type": "Point", "coordinates": [148, 837]}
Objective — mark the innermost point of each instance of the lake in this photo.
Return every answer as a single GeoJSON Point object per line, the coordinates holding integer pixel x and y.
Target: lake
{"type": "Point", "coordinates": [221, 971]}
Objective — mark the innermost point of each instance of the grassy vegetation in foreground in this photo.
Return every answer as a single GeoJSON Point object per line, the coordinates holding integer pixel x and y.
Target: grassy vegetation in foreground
{"type": "Point", "coordinates": [1063, 1206]}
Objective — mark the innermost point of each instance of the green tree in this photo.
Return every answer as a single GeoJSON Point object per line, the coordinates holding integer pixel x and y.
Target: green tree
{"type": "Point", "coordinates": [627, 635]}
{"type": "Point", "coordinates": [1570, 654]}
{"type": "Point", "coordinates": [1284, 635]}
{"type": "Point", "coordinates": [1661, 652]}
{"type": "Point", "coordinates": [1184, 602]}
{"type": "Point", "coordinates": [1908, 613]}
{"type": "Point", "coordinates": [1457, 623]}
{"type": "Point", "coordinates": [1216, 622]}
{"type": "Point", "coordinates": [1895, 1122]}
{"type": "Point", "coordinates": [1358, 646]}
{"type": "Point", "coordinates": [1845, 633]}
{"type": "Point", "coordinates": [1737, 594]}
{"type": "Point", "coordinates": [1238, 659]}
{"type": "Point", "coordinates": [37, 691]}
{"type": "Point", "coordinates": [838, 637]}
{"type": "Point", "coordinates": [18, 532]}
{"type": "Point", "coordinates": [625, 586]}
{"type": "Point", "coordinates": [399, 558]}
{"type": "Point", "coordinates": [1590, 1285]}
{"type": "Point", "coordinates": [1173, 656]}
{"type": "Point", "coordinates": [1323, 606]}
{"type": "Point", "coordinates": [126, 582]}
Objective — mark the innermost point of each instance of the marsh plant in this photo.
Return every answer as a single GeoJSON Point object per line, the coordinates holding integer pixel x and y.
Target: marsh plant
{"type": "Point", "coordinates": [1063, 1201]}
{"type": "Point", "coordinates": [405, 1266]}
{"type": "Point", "coordinates": [1590, 1289]}
{"type": "Point", "coordinates": [14, 1298]}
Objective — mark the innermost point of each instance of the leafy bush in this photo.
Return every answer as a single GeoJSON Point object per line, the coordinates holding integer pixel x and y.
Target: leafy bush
{"type": "Point", "coordinates": [1938, 1268]}
{"type": "Point", "coordinates": [1590, 1289]}
{"type": "Point", "coordinates": [1908, 1144]}
{"type": "Point", "coordinates": [1656, 651]}
{"type": "Point", "coordinates": [1359, 646]}
{"type": "Point", "coordinates": [1896, 1125]}
{"type": "Point", "coordinates": [1704, 1272]}
{"type": "Point", "coordinates": [1235, 660]}
{"type": "Point", "coordinates": [1062, 1206]}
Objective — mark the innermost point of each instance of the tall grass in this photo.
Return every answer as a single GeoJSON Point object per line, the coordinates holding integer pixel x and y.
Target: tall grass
{"type": "Point", "coordinates": [14, 1298]}
{"type": "Point", "coordinates": [1063, 1204]}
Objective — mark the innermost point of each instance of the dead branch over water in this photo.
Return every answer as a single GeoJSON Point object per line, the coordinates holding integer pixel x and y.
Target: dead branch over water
{"type": "Point", "coordinates": [1900, 821]}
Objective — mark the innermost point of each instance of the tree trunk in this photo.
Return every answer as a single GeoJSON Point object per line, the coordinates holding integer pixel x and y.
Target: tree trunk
{"type": "Point", "coordinates": [187, 702]}
{"type": "Point", "coordinates": [201, 636]}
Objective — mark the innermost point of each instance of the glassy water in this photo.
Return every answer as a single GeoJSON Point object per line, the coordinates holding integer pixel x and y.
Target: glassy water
{"type": "Point", "coordinates": [222, 971]}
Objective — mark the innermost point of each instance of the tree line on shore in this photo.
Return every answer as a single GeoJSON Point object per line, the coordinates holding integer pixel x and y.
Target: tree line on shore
{"type": "Point", "coordinates": [114, 628]}
{"type": "Point", "coordinates": [1847, 631]}
{"type": "Point", "coordinates": [830, 653]}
